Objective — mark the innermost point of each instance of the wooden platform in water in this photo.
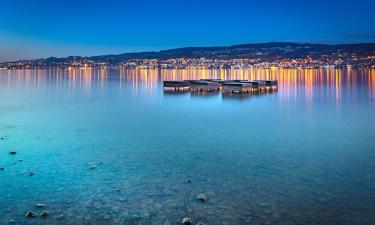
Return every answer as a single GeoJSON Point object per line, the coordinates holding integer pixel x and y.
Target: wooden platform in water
{"type": "Point", "coordinates": [228, 86]}
{"type": "Point", "coordinates": [269, 83]}
{"type": "Point", "coordinates": [176, 85]}
{"type": "Point", "coordinates": [258, 85]}
{"type": "Point", "coordinates": [219, 81]}
{"type": "Point", "coordinates": [236, 80]}
{"type": "Point", "coordinates": [203, 85]}
{"type": "Point", "coordinates": [237, 87]}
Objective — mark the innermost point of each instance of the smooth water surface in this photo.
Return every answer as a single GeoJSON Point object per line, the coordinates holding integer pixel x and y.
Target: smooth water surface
{"type": "Point", "coordinates": [111, 147]}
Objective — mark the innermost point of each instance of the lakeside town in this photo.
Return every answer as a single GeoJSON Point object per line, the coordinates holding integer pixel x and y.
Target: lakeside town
{"type": "Point", "coordinates": [326, 62]}
{"type": "Point", "coordinates": [263, 56]}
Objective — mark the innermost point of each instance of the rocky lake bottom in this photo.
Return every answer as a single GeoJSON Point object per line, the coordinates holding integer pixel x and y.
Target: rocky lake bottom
{"type": "Point", "coordinates": [105, 150]}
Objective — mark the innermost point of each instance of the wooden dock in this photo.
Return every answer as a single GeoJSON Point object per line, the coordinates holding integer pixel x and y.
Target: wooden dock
{"type": "Point", "coordinates": [203, 85]}
{"type": "Point", "coordinates": [259, 85]}
{"type": "Point", "coordinates": [237, 87]}
{"type": "Point", "coordinates": [236, 80]}
{"type": "Point", "coordinates": [270, 84]}
{"type": "Point", "coordinates": [219, 81]}
{"type": "Point", "coordinates": [176, 85]}
{"type": "Point", "coordinates": [228, 86]}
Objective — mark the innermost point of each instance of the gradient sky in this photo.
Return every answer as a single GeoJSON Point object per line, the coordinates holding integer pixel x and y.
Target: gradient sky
{"type": "Point", "coordinates": [43, 28]}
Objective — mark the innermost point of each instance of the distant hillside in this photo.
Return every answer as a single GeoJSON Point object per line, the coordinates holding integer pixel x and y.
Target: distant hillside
{"type": "Point", "coordinates": [263, 51]}
{"type": "Point", "coordinates": [266, 50]}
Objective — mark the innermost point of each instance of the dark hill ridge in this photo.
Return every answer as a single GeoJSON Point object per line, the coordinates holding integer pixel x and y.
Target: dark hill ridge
{"type": "Point", "coordinates": [266, 51]}
{"type": "Point", "coordinates": [271, 50]}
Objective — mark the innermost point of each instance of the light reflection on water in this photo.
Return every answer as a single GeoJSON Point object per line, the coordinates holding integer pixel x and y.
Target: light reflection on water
{"type": "Point", "coordinates": [301, 155]}
{"type": "Point", "coordinates": [289, 78]}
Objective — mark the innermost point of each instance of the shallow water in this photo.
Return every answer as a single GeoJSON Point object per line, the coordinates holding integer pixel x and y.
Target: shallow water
{"type": "Point", "coordinates": [302, 155]}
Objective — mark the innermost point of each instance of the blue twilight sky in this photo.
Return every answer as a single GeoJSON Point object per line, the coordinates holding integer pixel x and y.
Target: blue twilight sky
{"type": "Point", "coordinates": [42, 28]}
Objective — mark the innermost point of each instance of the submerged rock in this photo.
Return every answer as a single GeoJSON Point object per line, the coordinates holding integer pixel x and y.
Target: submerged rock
{"type": "Point", "coordinates": [12, 222]}
{"type": "Point", "coordinates": [200, 223]}
{"type": "Point", "coordinates": [12, 153]}
{"type": "Point", "coordinates": [30, 214]}
{"type": "Point", "coordinates": [92, 167]}
{"type": "Point", "coordinates": [136, 217]}
{"type": "Point", "coordinates": [1, 168]}
{"type": "Point", "coordinates": [122, 199]}
{"type": "Point", "coordinates": [201, 197]}
{"type": "Point", "coordinates": [60, 217]}
{"type": "Point", "coordinates": [40, 205]}
{"type": "Point", "coordinates": [2, 138]}
{"type": "Point", "coordinates": [186, 221]}
{"type": "Point", "coordinates": [44, 213]}
{"type": "Point", "coordinates": [30, 174]}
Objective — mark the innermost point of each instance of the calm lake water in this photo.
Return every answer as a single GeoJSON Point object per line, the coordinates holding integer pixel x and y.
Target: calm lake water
{"type": "Point", "coordinates": [110, 147]}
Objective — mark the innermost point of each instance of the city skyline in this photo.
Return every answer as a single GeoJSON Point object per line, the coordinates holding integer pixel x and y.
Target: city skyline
{"type": "Point", "coordinates": [30, 30]}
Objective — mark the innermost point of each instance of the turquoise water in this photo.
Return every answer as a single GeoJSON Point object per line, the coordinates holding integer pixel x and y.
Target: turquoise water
{"type": "Point", "coordinates": [110, 147]}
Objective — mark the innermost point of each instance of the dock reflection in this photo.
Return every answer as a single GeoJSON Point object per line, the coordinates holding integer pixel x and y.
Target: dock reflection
{"type": "Point", "coordinates": [241, 96]}
{"type": "Point", "coordinates": [204, 93]}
